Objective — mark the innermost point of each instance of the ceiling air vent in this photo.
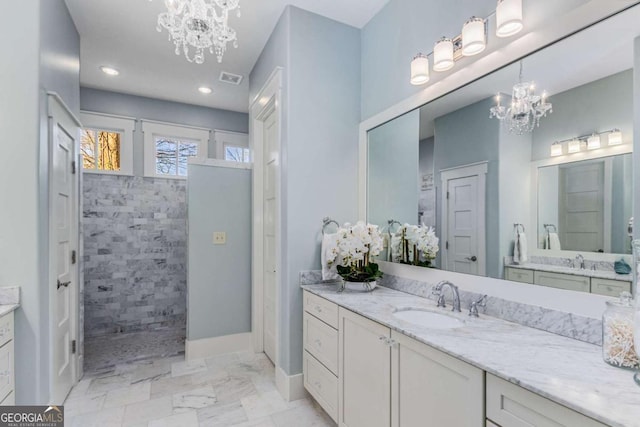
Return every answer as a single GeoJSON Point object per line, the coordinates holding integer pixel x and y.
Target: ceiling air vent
{"type": "Point", "coordinates": [231, 78]}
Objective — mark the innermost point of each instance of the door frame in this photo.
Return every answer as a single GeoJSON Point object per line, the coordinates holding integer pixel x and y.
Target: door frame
{"type": "Point", "coordinates": [58, 111]}
{"type": "Point", "coordinates": [480, 170]}
{"type": "Point", "coordinates": [267, 101]}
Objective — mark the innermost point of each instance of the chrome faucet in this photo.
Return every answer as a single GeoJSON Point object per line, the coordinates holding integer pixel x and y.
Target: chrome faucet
{"type": "Point", "coordinates": [473, 308]}
{"type": "Point", "coordinates": [438, 290]}
{"type": "Point", "coordinates": [579, 259]}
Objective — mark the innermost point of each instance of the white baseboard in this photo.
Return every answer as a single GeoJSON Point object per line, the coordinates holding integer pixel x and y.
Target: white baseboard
{"type": "Point", "coordinates": [209, 347]}
{"type": "Point", "coordinates": [291, 387]}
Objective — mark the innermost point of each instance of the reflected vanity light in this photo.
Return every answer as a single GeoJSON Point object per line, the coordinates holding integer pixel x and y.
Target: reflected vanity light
{"type": "Point", "coordinates": [615, 137]}
{"type": "Point", "coordinates": [419, 70]}
{"type": "Point", "coordinates": [443, 55]}
{"type": "Point", "coordinates": [556, 149]}
{"type": "Point", "coordinates": [474, 37]}
{"type": "Point", "coordinates": [575, 146]}
{"type": "Point", "coordinates": [509, 18]}
{"type": "Point", "coordinates": [593, 142]}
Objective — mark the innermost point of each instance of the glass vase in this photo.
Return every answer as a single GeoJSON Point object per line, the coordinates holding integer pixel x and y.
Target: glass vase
{"type": "Point", "coordinates": [636, 283]}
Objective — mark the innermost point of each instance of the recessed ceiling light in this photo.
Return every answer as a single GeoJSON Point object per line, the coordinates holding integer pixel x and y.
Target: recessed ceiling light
{"type": "Point", "coordinates": [109, 71]}
{"type": "Point", "coordinates": [204, 89]}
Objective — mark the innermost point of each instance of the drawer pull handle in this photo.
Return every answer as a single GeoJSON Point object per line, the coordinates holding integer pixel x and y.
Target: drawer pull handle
{"type": "Point", "coordinates": [318, 308]}
{"type": "Point", "coordinates": [318, 343]}
{"type": "Point", "coordinates": [318, 385]}
{"type": "Point", "coordinates": [5, 373]}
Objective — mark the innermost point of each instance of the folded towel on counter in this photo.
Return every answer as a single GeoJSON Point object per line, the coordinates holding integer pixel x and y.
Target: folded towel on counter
{"type": "Point", "coordinates": [329, 244]}
{"type": "Point", "coordinates": [554, 242]}
{"type": "Point", "coordinates": [621, 267]}
{"type": "Point", "coordinates": [520, 248]}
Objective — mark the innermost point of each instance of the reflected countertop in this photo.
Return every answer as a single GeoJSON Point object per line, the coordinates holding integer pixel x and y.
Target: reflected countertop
{"type": "Point", "coordinates": [600, 274]}
{"type": "Point", "coordinates": [569, 372]}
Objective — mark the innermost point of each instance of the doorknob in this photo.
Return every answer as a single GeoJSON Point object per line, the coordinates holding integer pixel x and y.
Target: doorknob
{"type": "Point", "coordinates": [472, 258]}
{"type": "Point", "coordinates": [61, 284]}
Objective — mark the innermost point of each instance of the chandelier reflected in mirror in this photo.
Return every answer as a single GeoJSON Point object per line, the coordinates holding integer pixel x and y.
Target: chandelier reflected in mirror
{"type": "Point", "coordinates": [201, 25]}
{"type": "Point", "coordinates": [526, 109]}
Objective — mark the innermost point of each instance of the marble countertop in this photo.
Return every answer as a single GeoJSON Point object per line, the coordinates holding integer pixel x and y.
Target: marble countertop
{"type": "Point", "coordinates": [7, 308]}
{"type": "Point", "coordinates": [601, 274]}
{"type": "Point", "coordinates": [569, 372]}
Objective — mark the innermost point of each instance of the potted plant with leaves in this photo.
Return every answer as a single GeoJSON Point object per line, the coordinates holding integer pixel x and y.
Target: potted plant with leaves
{"type": "Point", "coordinates": [356, 247]}
{"type": "Point", "coordinates": [415, 245]}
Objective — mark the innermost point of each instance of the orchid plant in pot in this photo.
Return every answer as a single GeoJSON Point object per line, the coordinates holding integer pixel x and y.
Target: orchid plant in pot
{"type": "Point", "coordinates": [356, 247]}
{"type": "Point", "coordinates": [415, 245]}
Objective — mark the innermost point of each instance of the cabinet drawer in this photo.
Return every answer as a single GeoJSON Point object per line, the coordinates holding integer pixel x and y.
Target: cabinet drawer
{"type": "Point", "coordinates": [6, 328]}
{"type": "Point", "coordinates": [321, 308]}
{"type": "Point", "coordinates": [563, 281]}
{"type": "Point", "coordinates": [321, 384]}
{"type": "Point", "coordinates": [6, 369]}
{"type": "Point", "coordinates": [321, 341]}
{"type": "Point", "coordinates": [511, 406]}
{"type": "Point", "coordinates": [611, 288]}
{"type": "Point", "coordinates": [519, 275]}
{"type": "Point", "coordinates": [10, 400]}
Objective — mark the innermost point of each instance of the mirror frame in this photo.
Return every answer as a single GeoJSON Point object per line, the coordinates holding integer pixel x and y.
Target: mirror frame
{"type": "Point", "coordinates": [525, 44]}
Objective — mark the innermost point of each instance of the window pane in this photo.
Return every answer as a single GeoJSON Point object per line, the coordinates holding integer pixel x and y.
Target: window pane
{"type": "Point", "coordinates": [247, 155]}
{"type": "Point", "coordinates": [88, 149]}
{"type": "Point", "coordinates": [233, 154]}
{"type": "Point", "coordinates": [109, 149]}
{"type": "Point", "coordinates": [187, 149]}
{"type": "Point", "coordinates": [166, 155]}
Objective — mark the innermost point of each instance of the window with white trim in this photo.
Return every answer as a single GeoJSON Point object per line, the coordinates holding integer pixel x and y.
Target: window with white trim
{"type": "Point", "coordinates": [106, 143]}
{"type": "Point", "coordinates": [168, 147]}
{"type": "Point", "coordinates": [236, 154]}
{"type": "Point", "coordinates": [232, 146]}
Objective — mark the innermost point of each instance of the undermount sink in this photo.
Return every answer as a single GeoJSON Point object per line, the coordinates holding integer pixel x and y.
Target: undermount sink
{"type": "Point", "coordinates": [428, 319]}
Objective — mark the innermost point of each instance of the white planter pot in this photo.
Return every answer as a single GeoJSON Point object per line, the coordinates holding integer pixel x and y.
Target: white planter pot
{"type": "Point", "coordinates": [357, 286]}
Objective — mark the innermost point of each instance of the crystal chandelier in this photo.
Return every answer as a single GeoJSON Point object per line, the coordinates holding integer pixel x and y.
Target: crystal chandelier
{"type": "Point", "coordinates": [526, 109]}
{"type": "Point", "coordinates": [200, 24]}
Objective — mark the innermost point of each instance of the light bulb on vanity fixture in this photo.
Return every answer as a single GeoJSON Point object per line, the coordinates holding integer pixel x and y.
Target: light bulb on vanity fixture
{"type": "Point", "coordinates": [556, 149]}
{"type": "Point", "coordinates": [474, 36]}
{"type": "Point", "coordinates": [509, 18]}
{"type": "Point", "coordinates": [575, 146]}
{"type": "Point", "coordinates": [443, 55]}
{"type": "Point", "coordinates": [419, 70]}
{"type": "Point", "coordinates": [593, 142]}
{"type": "Point", "coordinates": [615, 137]}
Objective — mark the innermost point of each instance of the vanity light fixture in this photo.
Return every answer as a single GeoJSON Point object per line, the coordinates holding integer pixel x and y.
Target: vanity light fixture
{"type": "Point", "coordinates": [615, 137]}
{"type": "Point", "coordinates": [443, 55]}
{"type": "Point", "coordinates": [474, 36]}
{"type": "Point", "coordinates": [575, 146]}
{"type": "Point", "coordinates": [419, 70]}
{"type": "Point", "coordinates": [509, 18]}
{"type": "Point", "coordinates": [205, 90]}
{"type": "Point", "coordinates": [109, 71]}
{"type": "Point", "coordinates": [593, 142]}
{"type": "Point", "coordinates": [556, 149]}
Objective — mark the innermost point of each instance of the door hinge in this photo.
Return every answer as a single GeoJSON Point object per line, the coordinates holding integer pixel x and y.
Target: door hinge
{"type": "Point", "coordinates": [73, 167]}
{"type": "Point", "coordinates": [73, 257]}
{"type": "Point", "coordinates": [73, 346]}
{"type": "Point", "coordinates": [447, 195]}
{"type": "Point", "coordinates": [447, 245]}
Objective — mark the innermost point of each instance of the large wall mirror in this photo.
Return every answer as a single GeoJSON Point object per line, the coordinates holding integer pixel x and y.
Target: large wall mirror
{"type": "Point", "coordinates": [540, 187]}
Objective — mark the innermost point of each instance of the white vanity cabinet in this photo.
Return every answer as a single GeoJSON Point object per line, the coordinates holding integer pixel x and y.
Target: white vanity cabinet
{"type": "Point", "coordinates": [562, 281]}
{"type": "Point", "coordinates": [430, 387]}
{"type": "Point", "coordinates": [509, 405]}
{"type": "Point", "coordinates": [7, 378]}
{"type": "Point", "coordinates": [364, 393]}
{"type": "Point", "coordinates": [518, 275]}
{"type": "Point", "coordinates": [610, 288]}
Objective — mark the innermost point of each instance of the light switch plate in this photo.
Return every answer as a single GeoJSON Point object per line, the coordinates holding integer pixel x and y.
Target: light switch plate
{"type": "Point", "coordinates": [219, 238]}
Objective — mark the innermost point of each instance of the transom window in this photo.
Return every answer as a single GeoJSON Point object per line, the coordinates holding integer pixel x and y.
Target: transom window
{"type": "Point", "coordinates": [173, 154]}
{"type": "Point", "coordinates": [237, 154]}
{"type": "Point", "coordinates": [106, 143]}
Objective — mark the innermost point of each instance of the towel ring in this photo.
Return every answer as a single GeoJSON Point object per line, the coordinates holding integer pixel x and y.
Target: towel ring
{"type": "Point", "coordinates": [326, 221]}
{"type": "Point", "coordinates": [549, 226]}
{"type": "Point", "coordinates": [518, 227]}
{"type": "Point", "coordinates": [391, 223]}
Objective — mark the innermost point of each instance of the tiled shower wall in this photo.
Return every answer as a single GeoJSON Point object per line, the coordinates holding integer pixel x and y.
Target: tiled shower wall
{"type": "Point", "coordinates": [135, 235]}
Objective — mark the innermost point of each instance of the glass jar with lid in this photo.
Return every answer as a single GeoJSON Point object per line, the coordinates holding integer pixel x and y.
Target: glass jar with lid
{"type": "Point", "coordinates": [617, 333]}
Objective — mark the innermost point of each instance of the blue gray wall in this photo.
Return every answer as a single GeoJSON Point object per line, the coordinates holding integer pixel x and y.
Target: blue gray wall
{"type": "Point", "coordinates": [467, 136]}
{"type": "Point", "coordinates": [392, 173]}
{"type": "Point", "coordinates": [219, 276]}
{"type": "Point", "coordinates": [321, 113]}
{"type": "Point", "coordinates": [141, 107]}
{"type": "Point", "coordinates": [427, 200]}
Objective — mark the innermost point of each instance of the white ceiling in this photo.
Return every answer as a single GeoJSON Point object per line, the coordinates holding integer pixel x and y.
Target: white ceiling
{"type": "Point", "coordinates": [597, 52]}
{"type": "Point", "coordinates": [122, 34]}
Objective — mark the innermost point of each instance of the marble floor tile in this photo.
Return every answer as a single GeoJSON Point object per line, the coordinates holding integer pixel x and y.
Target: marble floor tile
{"type": "Point", "coordinates": [111, 417]}
{"type": "Point", "coordinates": [185, 419]}
{"type": "Point", "coordinates": [150, 372]}
{"type": "Point", "coordinates": [126, 396]}
{"type": "Point", "coordinates": [312, 414]}
{"type": "Point", "coordinates": [148, 410]}
{"type": "Point", "coordinates": [194, 399]}
{"type": "Point", "coordinates": [188, 367]}
{"type": "Point", "coordinates": [263, 404]}
{"type": "Point", "coordinates": [233, 389]}
{"type": "Point", "coordinates": [171, 385]}
{"type": "Point", "coordinates": [220, 415]}
{"type": "Point", "coordinates": [221, 361]}
{"type": "Point", "coordinates": [107, 383]}
{"type": "Point", "coordinates": [84, 404]}
{"type": "Point", "coordinates": [262, 422]}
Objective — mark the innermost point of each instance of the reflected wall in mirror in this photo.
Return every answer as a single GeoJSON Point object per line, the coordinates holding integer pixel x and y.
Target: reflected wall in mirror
{"type": "Point", "coordinates": [449, 166]}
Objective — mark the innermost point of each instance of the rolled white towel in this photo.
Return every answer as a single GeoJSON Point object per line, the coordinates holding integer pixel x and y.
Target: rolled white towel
{"type": "Point", "coordinates": [520, 248]}
{"type": "Point", "coordinates": [554, 242]}
{"type": "Point", "coordinates": [329, 244]}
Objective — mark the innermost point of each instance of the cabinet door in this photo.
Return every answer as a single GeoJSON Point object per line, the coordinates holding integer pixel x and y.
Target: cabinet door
{"type": "Point", "coordinates": [563, 281]}
{"type": "Point", "coordinates": [610, 288]}
{"type": "Point", "coordinates": [519, 275]}
{"type": "Point", "coordinates": [364, 394]}
{"type": "Point", "coordinates": [429, 387]}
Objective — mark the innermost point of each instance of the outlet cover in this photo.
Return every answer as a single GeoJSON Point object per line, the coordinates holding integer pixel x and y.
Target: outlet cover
{"type": "Point", "coordinates": [219, 238]}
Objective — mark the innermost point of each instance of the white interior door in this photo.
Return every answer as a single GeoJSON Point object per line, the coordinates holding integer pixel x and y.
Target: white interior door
{"type": "Point", "coordinates": [270, 158]}
{"type": "Point", "coordinates": [581, 207]}
{"type": "Point", "coordinates": [64, 239]}
{"type": "Point", "coordinates": [463, 253]}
